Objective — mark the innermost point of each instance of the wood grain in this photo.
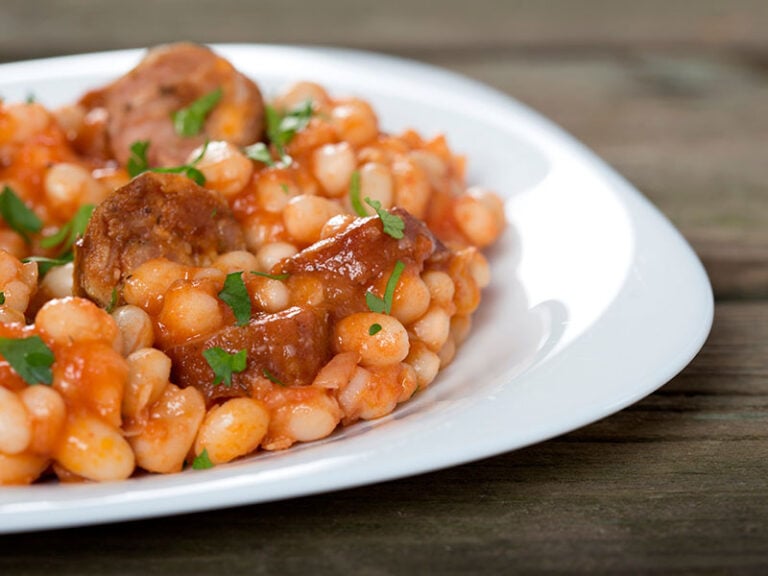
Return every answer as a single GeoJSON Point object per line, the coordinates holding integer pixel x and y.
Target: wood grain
{"type": "Point", "coordinates": [400, 26]}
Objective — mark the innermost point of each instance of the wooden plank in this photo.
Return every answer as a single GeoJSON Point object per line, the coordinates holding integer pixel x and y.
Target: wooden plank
{"type": "Point", "coordinates": [689, 131]}
{"type": "Point", "coordinates": [47, 27]}
{"type": "Point", "coordinates": [677, 483]}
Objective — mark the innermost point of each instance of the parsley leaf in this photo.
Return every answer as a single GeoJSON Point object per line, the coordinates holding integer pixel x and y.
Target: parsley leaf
{"type": "Point", "coordinates": [202, 461]}
{"type": "Point", "coordinates": [30, 358]}
{"type": "Point", "coordinates": [271, 377]}
{"type": "Point", "coordinates": [45, 264]}
{"type": "Point", "coordinates": [235, 294]}
{"type": "Point", "coordinates": [2, 298]}
{"type": "Point", "coordinates": [374, 329]}
{"type": "Point", "coordinates": [354, 194]}
{"type": "Point", "coordinates": [112, 301]}
{"type": "Point", "coordinates": [17, 215]}
{"type": "Point", "coordinates": [68, 234]}
{"type": "Point", "coordinates": [281, 277]}
{"type": "Point", "coordinates": [281, 128]}
{"type": "Point", "coordinates": [384, 305]}
{"type": "Point", "coordinates": [259, 152]}
{"type": "Point", "coordinates": [393, 224]}
{"type": "Point", "coordinates": [138, 163]}
{"type": "Point", "coordinates": [224, 364]}
{"type": "Point", "coordinates": [189, 121]}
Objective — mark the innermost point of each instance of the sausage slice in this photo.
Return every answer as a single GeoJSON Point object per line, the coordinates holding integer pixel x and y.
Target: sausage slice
{"type": "Point", "coordinates": [139, 104]}
{"type": "Point", "coordinates": [289, 347]}
{"type": "Point", "coordinates": [153, 216]}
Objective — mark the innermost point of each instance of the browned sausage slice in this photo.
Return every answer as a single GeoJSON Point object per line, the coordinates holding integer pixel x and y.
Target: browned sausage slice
{"type": "Point", "coordinates": [139, 105]}
{"type": "Point", "coordinates": [153, 216]}
{"type": "Point", "coordinates": [290, 346]}
{"type": "Point", "coordinates": [350, 262]}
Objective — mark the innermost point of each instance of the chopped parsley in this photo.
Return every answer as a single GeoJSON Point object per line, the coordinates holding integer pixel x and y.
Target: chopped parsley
{"type": "Point", "coordinates": [189, 121]}
{"type": "Point", "coordinates": [112, 301]}
{"type": "Point", "coordinates": [224, 364]}
{"type": "Point", "coordinates": [284, 187]}
{"type": "Point", "coordinates": [281, 277]}
{"type": "Point", "coordinates": [259, 152]}
{"type": "Point", "coordinates": [2, 298]}
{"type": "Point", "coordinates": [69, 233]}
{"type": "Point", "coordinates": [202, 461]}
{"type": "Point", "coordinates": [31, 98]}
{"type": "Point", "coordinates": [281, 128]}
{"type": "Point", "coordinates": [393, 224]}
{"type": "Point", "coordinates": [384, 305]}
{"type": "Point", "coordinates": [271, 377]}
{"type": "Point", "coordinates": [30, 358]}
{"type": "Point", "coordinates": [44, 264]}
{"type": "Point", "coordinates": [17, 215]}
{"type": "Point", "coordinates": [374, 329]}
{"type": "Point", "coordinates": [354, 194]}
{"type": "Point", "coordinates": [235, 294]}
{"type": "Point", "coordinates": [138, 163]}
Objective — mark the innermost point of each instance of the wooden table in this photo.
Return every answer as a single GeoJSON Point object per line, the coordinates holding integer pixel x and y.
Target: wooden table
{"type": "Point", "coordinates": [674, 94]}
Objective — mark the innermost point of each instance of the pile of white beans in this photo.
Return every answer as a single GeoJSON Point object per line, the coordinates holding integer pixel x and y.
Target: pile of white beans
{"type": "Point", "coordinates": [112, 407]}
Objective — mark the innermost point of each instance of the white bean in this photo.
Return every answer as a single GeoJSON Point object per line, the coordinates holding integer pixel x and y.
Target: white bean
{"type": "Point", "coordinates": [148, 372]}
{"type": "Point", "coordinates": [135, 327]}
{"type": "Point", "coordinates": [170, 432]}
{"type": "Point", "coordinates": [15, 423]}
{"type": "Point", "coordinates": [225, 167]}
{"type": "Point", "coordinates": [433, 328]}
{"type": "Point", "coordinates": [94, 450]}
{"type": "Point", "coordinates": [333, 165]}
{"type": "Point", "coordinates": [270, 254]}
{"type": "Point", "coordinates": [232, 429]}
{"type": "Point", "coordinates": [379, 339]}
{"type": "Point", "coordinates": [20, 469]}
{"type": "Point", "coordinates": [48, 413]}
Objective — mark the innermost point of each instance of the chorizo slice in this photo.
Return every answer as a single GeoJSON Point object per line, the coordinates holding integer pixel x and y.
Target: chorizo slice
{"type": "Point", "coordinates": [140, 104]}
{"type": "Point", "coordinates": [289, 347]}
{"type": "Point", "coordinates": [153, 216]}
{"type": "Point", "coordinates": [349, 263]}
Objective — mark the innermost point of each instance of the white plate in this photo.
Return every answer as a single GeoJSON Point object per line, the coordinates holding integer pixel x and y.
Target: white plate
{"type": "Point", "coordinates": [596, 299]}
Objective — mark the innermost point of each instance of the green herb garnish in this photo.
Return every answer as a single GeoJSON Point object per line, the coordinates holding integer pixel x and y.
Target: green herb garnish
{"type": "Point", "coordinates": [354, 194]}
{"type": "Point", "coordinates": [2, 298]}
{"type": "Point", "coordinates": [235, 294]}
{"type": "Point", "coordinates": [393, 224]}
{"type": "Point", "coordinates": [71, 231]}
{"type": "Point", "coordinates": [31, 98]}
{"type": "Point", "coordinates": [259, 152]}
{"type": "Point", "coordinates": [281, 128]}
{"type": "Point", "coordinates": [30, 358]}
{"type": "Point", "coordinates": [271, 377]}
{"type": "Point", "coordinates": [224, 364]}
{"type": "Point", "coordinates": [281, 277]}
{"type": "Point", "coordinates": [202, 461]}
{"type": "Point", "coordinates": [44, 264]}
{"type": "Point", "coordinates": [189, 121]}
{"type": "Point", "coordinates": [384, 305]}
{"type": "Point", "coordinates": [138, 163]}
{"type": "Point", "coordinates": [374, 329]}
{"type": "Point", "coordinates": [17, 215]}
{"type": "Point", "coordinates": [112, 301]}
